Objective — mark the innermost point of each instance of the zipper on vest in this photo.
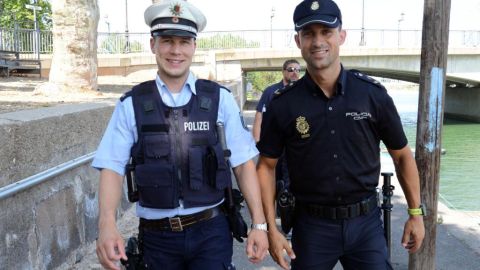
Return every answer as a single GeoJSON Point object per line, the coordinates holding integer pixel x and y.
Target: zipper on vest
{"type": "Point", "coordinates": [178, 151]}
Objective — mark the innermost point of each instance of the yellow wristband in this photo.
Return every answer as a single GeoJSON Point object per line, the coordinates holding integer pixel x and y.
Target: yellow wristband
{"type": "Point", "coordinates": [421, 211]}
{"type": "Point", "coordinates": [415, 211]}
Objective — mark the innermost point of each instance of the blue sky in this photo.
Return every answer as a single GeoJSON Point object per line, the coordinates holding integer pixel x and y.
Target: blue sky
{"type": "Point", "coordinates": [256, 14]}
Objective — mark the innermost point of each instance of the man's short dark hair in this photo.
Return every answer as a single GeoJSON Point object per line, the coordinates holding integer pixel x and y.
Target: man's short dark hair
{"type": "Point", "coordinates": [288, 62]}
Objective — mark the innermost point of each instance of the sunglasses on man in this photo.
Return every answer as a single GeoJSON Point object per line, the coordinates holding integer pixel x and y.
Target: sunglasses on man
{"type": "Point", "coordinates": [292, 69]}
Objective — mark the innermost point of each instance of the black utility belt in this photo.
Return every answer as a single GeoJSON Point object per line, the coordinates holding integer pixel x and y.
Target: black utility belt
{"type": "Point", "coordinates": [179, 223]}
{"type": "Point", "coordinates": [342, 212]}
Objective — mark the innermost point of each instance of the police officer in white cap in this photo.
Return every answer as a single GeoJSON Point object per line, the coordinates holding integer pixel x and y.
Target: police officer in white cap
{"type": "Point", "coordinates": [163, 132]}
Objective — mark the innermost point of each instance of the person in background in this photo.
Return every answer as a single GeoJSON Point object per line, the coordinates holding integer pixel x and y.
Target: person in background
{"type": "Point", "coordinates": [290, 73]}
{"type": "Point", "coordinates": [329, 124]}
{"type": "Point", "coordinates": [167, 129]}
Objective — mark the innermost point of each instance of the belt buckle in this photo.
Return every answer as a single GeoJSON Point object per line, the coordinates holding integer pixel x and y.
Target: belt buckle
{"type": "Point", "coordinates": [175, 224]}
{"type": "Point", "coordinates": [341, 212]}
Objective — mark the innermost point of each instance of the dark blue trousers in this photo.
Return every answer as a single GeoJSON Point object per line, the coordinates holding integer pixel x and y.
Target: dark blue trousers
{"type": "Point", "coordinates": [206, 245]}
{"type": "Point", "coordinates": [359, 243]}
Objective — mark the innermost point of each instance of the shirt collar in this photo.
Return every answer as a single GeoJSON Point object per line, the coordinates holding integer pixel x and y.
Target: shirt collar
{"type": "Point", "coordinates": [188, 86]}
{"type": "Point", "coordinates": [341, 82]}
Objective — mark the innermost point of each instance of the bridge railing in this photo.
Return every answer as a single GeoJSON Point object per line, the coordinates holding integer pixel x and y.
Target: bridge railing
{"type": "Point", "coordinates": [22, 40]}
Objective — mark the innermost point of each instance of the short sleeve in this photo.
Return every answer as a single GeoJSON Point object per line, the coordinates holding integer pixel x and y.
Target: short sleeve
{"type": "Point", "coordinates": [271, 142]}
{"type": "Point", "coordinates": [390, 125]}
{"type": "Point", "coordinates": [114, 149]}
{"type": "Point", "coordinates": [239, 139]}
{"type": "Point", "coordinates": [263, 100]}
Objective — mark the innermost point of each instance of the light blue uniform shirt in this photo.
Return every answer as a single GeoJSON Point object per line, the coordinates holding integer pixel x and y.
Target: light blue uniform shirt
{"type": "Point", "coordinates": [114, 150]}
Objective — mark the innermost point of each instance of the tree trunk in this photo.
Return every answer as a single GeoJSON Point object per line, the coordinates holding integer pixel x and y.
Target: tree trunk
{"type": "Point", "coordinates": [74, 60]}
{"type": "Point", "coordinates": [431, 102]}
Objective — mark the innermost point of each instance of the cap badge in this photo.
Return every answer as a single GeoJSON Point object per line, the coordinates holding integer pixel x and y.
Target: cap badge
{"type": "Point", "coordinates": [315, 5]}
{"type": "Point", "coordinates": [303, 127]}
{"type": "Point", "coordinates": [176, 9]}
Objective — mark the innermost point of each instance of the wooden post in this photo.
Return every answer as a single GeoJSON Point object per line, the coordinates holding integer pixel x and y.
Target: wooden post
{"type": "Point", "coordinates": [430, 120]}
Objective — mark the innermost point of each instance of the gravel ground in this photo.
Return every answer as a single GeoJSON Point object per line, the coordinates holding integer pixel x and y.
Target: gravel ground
{"type": "Point", "coordinates": [18, 93]}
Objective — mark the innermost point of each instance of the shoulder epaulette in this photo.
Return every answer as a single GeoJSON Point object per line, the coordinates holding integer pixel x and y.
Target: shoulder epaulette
{"type": "Point", "coordinates": [141, 88]}
{"type": "Point", "coordinates": [125, 95]}
{"type": "Point", "coordinates": [283, 90]}
{"type": "Point", "coordinates": [366, 78]}
{"type": "Point", "coordinates": [209, 85]}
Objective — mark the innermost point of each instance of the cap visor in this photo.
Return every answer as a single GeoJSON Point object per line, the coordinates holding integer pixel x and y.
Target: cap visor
{"type": "Point", "coordinates": [173, 32]}
{"type": "Point", "coordinates": [328, 21]}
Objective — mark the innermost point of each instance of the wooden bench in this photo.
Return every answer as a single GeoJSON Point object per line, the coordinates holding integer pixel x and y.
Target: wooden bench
{"type": "Point", "coordinates": [10, 62]}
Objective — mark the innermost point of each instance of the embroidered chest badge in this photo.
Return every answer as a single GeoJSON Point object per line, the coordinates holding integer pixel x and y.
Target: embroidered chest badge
{"type": "Point", "coordinates": [302, 127]}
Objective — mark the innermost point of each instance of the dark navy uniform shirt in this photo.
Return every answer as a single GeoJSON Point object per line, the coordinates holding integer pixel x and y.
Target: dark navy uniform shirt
{"type": "Point", "coordinates": [267, 96]}
{"type": "Point", "coordinates": [332, 144]}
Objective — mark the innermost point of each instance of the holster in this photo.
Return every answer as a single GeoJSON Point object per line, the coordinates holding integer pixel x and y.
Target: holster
{"type": "Point", "coordinates": [286, 209]}
{"type": "Point", "coordinates": [134, 252]}
{"type": "Point", "coordinates": [232, 205]}
{"type": "Point", "coordinates": [132, 193]}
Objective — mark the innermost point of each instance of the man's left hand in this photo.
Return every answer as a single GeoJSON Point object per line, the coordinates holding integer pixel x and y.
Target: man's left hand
{"type": "Point", "coordinates": [413, 234]}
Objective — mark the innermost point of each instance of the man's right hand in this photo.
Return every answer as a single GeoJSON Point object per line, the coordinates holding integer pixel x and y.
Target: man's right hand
{"type": "Point", "coordinates": [278, 243]}
{"type": "Point", "coordinates": [110, 247]}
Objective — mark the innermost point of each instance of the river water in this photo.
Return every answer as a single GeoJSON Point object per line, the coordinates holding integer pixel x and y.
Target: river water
{"type": "Point", "coordinates": [459, 167]}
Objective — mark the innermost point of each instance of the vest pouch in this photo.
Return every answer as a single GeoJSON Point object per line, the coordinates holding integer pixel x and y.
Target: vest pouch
{"type": "Point", "coordinates": [155, 185]}
{"type": "Point", "coordinates": [195, 160]}
{"type": "Point", "coordinates": [223, 170]}
{"type": "Point", "coordinates": [156, 146]}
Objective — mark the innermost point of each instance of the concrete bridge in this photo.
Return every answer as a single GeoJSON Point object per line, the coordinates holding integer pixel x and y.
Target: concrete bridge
{"type": "Point", "coordinates": [228, 65]}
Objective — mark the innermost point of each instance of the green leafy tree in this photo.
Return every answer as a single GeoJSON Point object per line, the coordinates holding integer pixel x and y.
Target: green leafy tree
{"type": "Point", "coordinates": [225, 42]}
{"type": "Point", "coordinates": [261, 79]}
{"type": "Point", "coordinates": [14, 11]}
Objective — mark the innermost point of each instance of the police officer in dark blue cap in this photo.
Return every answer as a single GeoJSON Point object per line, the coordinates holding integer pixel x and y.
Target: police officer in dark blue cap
{"type": "Point", "coordinates": [330, 124]}
{"type": "Point", "coordinates": [164, 132]}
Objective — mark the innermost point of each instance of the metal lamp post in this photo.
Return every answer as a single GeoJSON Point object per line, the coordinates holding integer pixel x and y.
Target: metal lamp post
{"type": "Point", "coordinates": [401, 19]}
{"type": "Point", "coordinates": [362, 34]}
{"type": "Point", "coordinates": [127, 38]}
{"type": "Point", "coordinates": [36, 36]}
{"type": "Point", "coordinates": [271, 26]}
{"type": "Point", "coordinates": [107, 22]}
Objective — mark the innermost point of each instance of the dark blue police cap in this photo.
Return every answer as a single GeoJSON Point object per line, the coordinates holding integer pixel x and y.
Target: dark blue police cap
{"type": "Point", "coordinates": [324, 12]}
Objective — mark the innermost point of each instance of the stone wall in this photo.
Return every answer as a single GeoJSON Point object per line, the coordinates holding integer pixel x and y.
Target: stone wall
{"type": "Point", "coordinates": [48, 224]}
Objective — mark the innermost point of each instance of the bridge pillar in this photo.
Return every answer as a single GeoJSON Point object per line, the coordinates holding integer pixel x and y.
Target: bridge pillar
{"type": "Point", "coordinates": [463, 103]}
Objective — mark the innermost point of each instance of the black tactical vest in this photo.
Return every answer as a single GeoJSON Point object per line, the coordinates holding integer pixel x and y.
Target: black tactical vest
{"type": "Point", "coordinates": [178, 155]}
